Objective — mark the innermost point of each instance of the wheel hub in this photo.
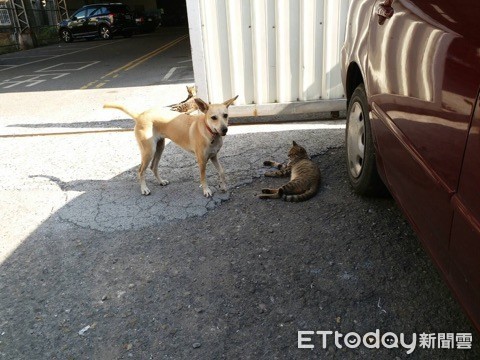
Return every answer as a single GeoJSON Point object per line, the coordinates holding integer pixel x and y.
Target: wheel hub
{"type": "Point", "coordinates": [356, 140]}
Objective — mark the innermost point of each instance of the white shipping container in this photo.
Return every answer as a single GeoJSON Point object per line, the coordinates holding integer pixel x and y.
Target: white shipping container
{"type": "Point", "coordinates": [279, 56]}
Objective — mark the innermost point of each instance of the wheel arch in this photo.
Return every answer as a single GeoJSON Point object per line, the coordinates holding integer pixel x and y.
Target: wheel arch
{"type": "Point", "coordinates": [354, 78]}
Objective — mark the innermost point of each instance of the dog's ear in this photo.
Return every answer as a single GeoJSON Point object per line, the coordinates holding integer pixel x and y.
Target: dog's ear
{"type": "Point", "coordinates": [294, 143]}
{"type": "Point", "coordinates": [230, 102]}
{"type": "Point", "coordinates": [202, 105]}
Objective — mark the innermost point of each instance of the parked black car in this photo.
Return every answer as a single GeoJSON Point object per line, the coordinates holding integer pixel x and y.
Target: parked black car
{"type": "Point", "coordinates": [146, 22]}
{"type": "Point", "coordinates": [98, 20]}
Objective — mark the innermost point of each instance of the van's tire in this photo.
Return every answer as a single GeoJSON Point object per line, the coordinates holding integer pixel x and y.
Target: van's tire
{"type": "Point", "coordinates": [361, 158]}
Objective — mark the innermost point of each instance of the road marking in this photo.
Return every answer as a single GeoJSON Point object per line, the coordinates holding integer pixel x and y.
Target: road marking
{"type": "Point", "coordinates": [66, 54]}
{"type": "Point", "coordinates": [30, 80]}
{"type": "Point", "coordinates": [170, 73]}
{"type": "Point", "coordinates": [156, 52]}
{"type": "Point", "coordinates": [145, 57]}
{"type": "Point", "coordinates": [53, 72]}
{"type": "Point", "coordinates": [134, 63]}
{"type": "Point", "coordinates": [58, 76]}
{"type": "Point", "coordinates": [185, 61]}
{"type": "Point", "coordinates": [34, 83]}
{"type": "Point", "coordinates": [61, 66]}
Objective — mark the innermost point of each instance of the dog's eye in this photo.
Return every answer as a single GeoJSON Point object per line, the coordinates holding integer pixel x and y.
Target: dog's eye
{"type": "Point", "coordinates": [225, 116]}
{"type": "Point", "coordinates": [214, 117]}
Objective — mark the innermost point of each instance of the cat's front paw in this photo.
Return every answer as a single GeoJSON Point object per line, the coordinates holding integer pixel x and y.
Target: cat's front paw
{"type": "Point", "coordinates": [272, 174]}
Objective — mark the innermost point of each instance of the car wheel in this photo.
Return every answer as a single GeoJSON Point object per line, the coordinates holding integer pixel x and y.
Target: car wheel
{"type": "Point", "coordinates": [361, 160]}
{"type": "Point", "coordinates": [105, 32]}
{"type": "Point", "coordinates": [66, 35]}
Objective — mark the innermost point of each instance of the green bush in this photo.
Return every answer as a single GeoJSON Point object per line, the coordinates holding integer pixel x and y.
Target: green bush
{"type": "Point", "coordinates": [46, 35]}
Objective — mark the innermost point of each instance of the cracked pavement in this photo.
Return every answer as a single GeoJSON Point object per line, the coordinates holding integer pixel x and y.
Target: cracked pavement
{"type": "Point", "coordinates": [90, 180]}
{"type": "Point", "coordinates": [92, 269]}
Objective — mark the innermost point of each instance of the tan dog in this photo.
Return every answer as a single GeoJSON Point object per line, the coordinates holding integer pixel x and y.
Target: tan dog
{"type": "Point", "coordinates": [198, 134]}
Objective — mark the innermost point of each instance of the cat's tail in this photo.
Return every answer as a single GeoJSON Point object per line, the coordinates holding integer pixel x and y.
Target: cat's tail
{"type": "Point", "coordinates": [311, 192]}
{"type": "Point", "coordinates": [122, 108]}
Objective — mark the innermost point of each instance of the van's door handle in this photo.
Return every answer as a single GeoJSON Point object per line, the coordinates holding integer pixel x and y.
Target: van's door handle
{"type": "Point", "coordinates": [385, 11]}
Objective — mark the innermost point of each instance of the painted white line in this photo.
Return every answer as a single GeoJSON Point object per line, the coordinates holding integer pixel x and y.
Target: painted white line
{"type": "Point", "coordinates": [31, 80]}
{"type": "Point", "coordinates": [170, 73]}
{"type": "Point", "coordinates": [32, 77]}
{"type": "Point", "coordinates": [66, 54]}
{"type": "Point", "coordinates": [184, 61]}
{"type": "Point", "coordinates": [14, 84]}
{"type": "Point", "coordinates": [34, 83]}
{"type": "Point", "coordinates": [59, 75]}
{"type": "Point", "coordinates": [73, 68]}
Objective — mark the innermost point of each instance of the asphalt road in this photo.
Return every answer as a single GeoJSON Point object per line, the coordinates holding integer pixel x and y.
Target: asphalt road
{"type": "Point", "coordinates": [91, 269]}
{"type": "Point", "coordinates": [62, 88]}
{"type": "Point", "coordinates": [162, 57]}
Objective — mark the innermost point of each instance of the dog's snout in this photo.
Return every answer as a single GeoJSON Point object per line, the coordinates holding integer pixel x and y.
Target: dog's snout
{"type": "Point", "coordinates": [224, 130]}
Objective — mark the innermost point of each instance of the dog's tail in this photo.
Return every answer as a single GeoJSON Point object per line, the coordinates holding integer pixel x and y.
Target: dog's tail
{"type": "Point", "coordinates": [122, 108]}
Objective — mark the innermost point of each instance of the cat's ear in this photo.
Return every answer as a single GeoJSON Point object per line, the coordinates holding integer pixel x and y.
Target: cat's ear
{"type": "Point", "coordinates": [294, 143]}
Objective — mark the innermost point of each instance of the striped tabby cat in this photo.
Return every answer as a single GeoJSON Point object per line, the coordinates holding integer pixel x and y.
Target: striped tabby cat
{"type": "Point", "coordinates": [188, 105]}
{"type": "Point", "coordinates": [304, 181]}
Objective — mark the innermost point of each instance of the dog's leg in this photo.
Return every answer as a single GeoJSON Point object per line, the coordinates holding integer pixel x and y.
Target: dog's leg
{"type": "Point", "coordinates": [202, 164]}
{"type": "Point", "coordinates": [221, 173]}
{"type": "Point", "coordinates": [147, 150]}
{"type": "Point", "coordinates": [156, 160]}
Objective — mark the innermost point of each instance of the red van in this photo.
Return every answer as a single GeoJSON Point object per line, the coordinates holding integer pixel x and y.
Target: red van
{"type": "Point", "coordinates": [411, 73]}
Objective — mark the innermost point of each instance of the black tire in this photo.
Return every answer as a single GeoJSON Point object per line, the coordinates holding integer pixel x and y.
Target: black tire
{"type": "Point", "coordinates": [105, 33]}
{"type": "Point", "coordinates": [66, 35]}
{"type": "Point", "coordinates": [360, 158]}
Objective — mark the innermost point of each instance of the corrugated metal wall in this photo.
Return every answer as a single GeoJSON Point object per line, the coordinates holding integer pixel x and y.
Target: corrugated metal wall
{"type": "Point", "coordinates": [279, 56]}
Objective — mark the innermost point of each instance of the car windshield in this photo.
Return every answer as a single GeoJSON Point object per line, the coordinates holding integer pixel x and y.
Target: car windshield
{"type": "Point", "coordinates": [80, 14]}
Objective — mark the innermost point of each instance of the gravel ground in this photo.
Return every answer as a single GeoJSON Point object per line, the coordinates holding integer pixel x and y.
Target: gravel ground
{"type": "Point", "coordinates": [235, 283]}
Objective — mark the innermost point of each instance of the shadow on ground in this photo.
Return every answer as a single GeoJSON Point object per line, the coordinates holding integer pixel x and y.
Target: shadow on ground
{"type": "Point", "coordinates": [235, 282]}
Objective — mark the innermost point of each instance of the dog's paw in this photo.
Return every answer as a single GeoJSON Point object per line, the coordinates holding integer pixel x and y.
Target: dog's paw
{"type": "Point", "coordinates": [164, 182]}
{"type": "Point", "coordinates": [207, 192]}
{"type": "Point", "coordinates": [145, 191]}
{"type": "Point", "coordinates": [223, 187]}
